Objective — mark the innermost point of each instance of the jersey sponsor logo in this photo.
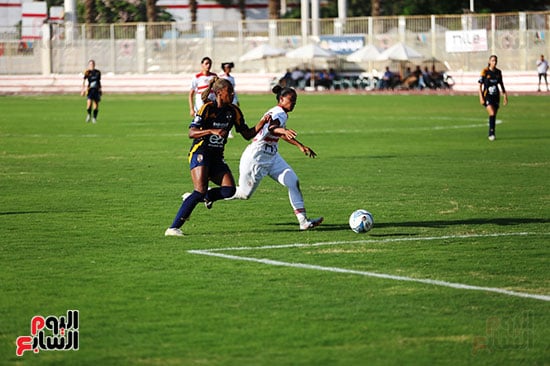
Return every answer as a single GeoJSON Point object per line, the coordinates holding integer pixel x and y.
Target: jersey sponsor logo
{"type": "Point", "coordinates": [215, 141]}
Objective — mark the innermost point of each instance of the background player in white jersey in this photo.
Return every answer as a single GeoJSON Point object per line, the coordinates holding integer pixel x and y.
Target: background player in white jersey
{"type": "Point", "coordinates": [262, 158]}
{"type": "Point", "coordinates": [200, 83]}
{"type": "Point", "coordinates": [226, 74]}
{"type": "Point", "coordinates": [542, 69]}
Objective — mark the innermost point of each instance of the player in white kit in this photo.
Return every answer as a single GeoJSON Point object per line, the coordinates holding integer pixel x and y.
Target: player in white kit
{"type": "Point", "coordinates": [200, 83]}
{"type": "Point", "coordinates": [262, 158]}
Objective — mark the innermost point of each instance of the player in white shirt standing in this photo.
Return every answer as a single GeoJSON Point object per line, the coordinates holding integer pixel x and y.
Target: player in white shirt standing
{"type": "Point", "coordinates": [200, 83]}
{"type": "Point", "coordinates": [226, 74]}
{"type": "Point", "coordinates": [261, 158]}
{"type": "Point", "coordinates": [542, 69]}
{"type": "Point", "coordinates": [227, 67]}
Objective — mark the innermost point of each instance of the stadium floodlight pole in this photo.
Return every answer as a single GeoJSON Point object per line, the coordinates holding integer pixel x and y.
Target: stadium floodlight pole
{"type": "Point", "coordinates": [471, 6]}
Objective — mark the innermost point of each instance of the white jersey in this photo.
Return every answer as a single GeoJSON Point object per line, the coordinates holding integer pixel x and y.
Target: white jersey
{"type": "Point", "coordinates": [199, 84]}
{"type": "Point", "coordinates": [542, 66]}
{"type": "Point", "coordinates": [231, 79]}
{"type": "Point", "coordinates": [265, 141]}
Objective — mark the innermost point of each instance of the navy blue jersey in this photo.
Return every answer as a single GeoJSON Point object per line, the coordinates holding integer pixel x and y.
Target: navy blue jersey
{"type": "Point", "coordinates": [490, 81]}
{"type": "Point", "coordinates": [94, 84]}
{"type": "Point", "coordinates": [94, 78]}
{"type": "Point", "coordinates": [212, 117]}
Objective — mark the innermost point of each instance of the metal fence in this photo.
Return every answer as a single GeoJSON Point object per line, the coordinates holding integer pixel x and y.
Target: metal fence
{"type": "Point", "coordinates": [517, 38]}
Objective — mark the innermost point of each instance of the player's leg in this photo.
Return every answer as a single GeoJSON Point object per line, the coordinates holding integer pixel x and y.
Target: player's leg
{"type": "Point", "coordinates": [222, 176]}
{"type": "Point", "coordinates": [95, 105]}
{"type": "Point", "coordinates": [199, 175]}
{"type": "Point", "coordinates": [251, 173]}
{"type": "Point", "coordinates": [492, 111]}
{"type": "Point", "coordinates": [285, 175]}
{"type": "Point", "coordinates": [88, 108]}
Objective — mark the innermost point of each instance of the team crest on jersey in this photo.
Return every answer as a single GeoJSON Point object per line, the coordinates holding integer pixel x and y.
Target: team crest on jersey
{"type": "Point", "coordinates": [229, 116]}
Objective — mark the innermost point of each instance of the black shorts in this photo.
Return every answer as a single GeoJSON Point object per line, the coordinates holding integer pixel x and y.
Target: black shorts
{"type": "Point", "coordinates": [492, 100]}
{"type": "Point", "coordinates": [94, 95]}
{"type": "Point", "coordinates": [215, 164]}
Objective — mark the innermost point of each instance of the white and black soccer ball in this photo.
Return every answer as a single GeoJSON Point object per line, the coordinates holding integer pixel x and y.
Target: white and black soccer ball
{"type": "Point", "coordinates": [361, 221]}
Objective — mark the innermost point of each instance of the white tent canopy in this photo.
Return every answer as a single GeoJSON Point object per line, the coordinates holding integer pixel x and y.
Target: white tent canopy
{"type": "Point", "coordinates": [400, 52]}
{"type": "Point", "coordinates": [366, 53]}
{"type": "Point", "coordinates": [309, 52]}
{"type": "Point", "coordinates": [262, 52]}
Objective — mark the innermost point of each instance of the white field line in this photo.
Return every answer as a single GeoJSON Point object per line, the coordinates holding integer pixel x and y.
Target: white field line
{"type": "Point", "coordinates": [324, 132]}
{"type": "Point", "coordinates": [215, 253]}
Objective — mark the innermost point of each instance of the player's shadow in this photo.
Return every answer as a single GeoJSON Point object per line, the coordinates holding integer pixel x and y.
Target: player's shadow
{"type": "Point", "coordinates": [434, 224]}
{"type": "Point", "coordinates": [508, 221]}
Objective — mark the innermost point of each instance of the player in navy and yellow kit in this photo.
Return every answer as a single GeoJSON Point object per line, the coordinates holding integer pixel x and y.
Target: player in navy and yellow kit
{"type": "Point", "coordinates": [209, 131]}
{"type": "Point", "coordinates": [93, 91]}
{"type": "Point", "coordinates": [489, 93]}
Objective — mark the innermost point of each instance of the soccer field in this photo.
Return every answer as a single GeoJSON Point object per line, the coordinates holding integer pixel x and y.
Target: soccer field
{"type": "Point", "coordinates": [454, 271]}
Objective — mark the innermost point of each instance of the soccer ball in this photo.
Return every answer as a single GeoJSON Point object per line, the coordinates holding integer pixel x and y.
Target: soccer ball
{"type": "Point", "coordinates": [361, 221]}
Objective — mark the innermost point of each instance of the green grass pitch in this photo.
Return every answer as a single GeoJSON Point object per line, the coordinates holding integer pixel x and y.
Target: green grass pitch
{"type": "Point", "coordinates": [454, 272]}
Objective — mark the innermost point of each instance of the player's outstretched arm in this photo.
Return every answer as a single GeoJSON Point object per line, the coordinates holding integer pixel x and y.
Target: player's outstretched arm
{"type": "Point", "coordinates": [251, 132]}
{"type": "Point", "coordinates": [303, 148]}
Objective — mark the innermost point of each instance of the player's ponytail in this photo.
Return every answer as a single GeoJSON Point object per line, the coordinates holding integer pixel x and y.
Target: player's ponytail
{"type": "Point", "coordinates": [279, 91]}
{"type": "Point", "coordinates": [206, 92]}
{"type": "Point", "coordinates": [214, 85]}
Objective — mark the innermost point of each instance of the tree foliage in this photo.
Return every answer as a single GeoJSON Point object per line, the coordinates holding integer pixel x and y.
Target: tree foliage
{"type": "Point", "coordinates": [119, 11]}
{"type": "Point", "coordinates": [360, 8]}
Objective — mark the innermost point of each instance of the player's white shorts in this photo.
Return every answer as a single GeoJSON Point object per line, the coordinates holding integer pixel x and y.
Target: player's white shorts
{"type": "Point", "coordinates": [256, 163]}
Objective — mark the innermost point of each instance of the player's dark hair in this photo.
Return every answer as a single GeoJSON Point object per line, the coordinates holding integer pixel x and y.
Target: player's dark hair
{"type": "Point", "coordinates": [490, 57]}
{"type": "Point", "coordinates": [279, 91]}
{"type": "Point", "coordinates": [206, 58]}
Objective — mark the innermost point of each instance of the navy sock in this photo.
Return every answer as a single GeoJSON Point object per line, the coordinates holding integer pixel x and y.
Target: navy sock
{"type": "Point", "coordinates": [216, 194]}
{"type": "Point", "coordinates": [187, 207]}
{"type": "Point", "coordinates": [492, 124]}
{"type": "Point", "coordinates": [96, 111]}
{"type": "Point", "coordinates": [89, 110]}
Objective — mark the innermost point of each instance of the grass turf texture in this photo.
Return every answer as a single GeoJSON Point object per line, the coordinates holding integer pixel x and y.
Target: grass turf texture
{"type": "Point", "coordinates": [84, 208]}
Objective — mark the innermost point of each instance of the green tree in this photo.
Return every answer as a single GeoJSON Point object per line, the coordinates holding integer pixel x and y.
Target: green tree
{"type": "Point", "coordinates": [362, 8]}
{"type": "Point", "coordinates": [119, 11]}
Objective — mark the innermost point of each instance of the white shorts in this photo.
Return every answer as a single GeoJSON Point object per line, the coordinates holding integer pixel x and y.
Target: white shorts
{"type": "Point", "coordinates": [256, 164]}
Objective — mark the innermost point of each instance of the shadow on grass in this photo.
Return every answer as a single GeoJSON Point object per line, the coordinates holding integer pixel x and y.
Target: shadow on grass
{"type": "Point", "coordinates": [438, 224]}
{"type": "Point", "coordinates": [5, 213]}
{"type": "Point", "coordinates": [445, 223]}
